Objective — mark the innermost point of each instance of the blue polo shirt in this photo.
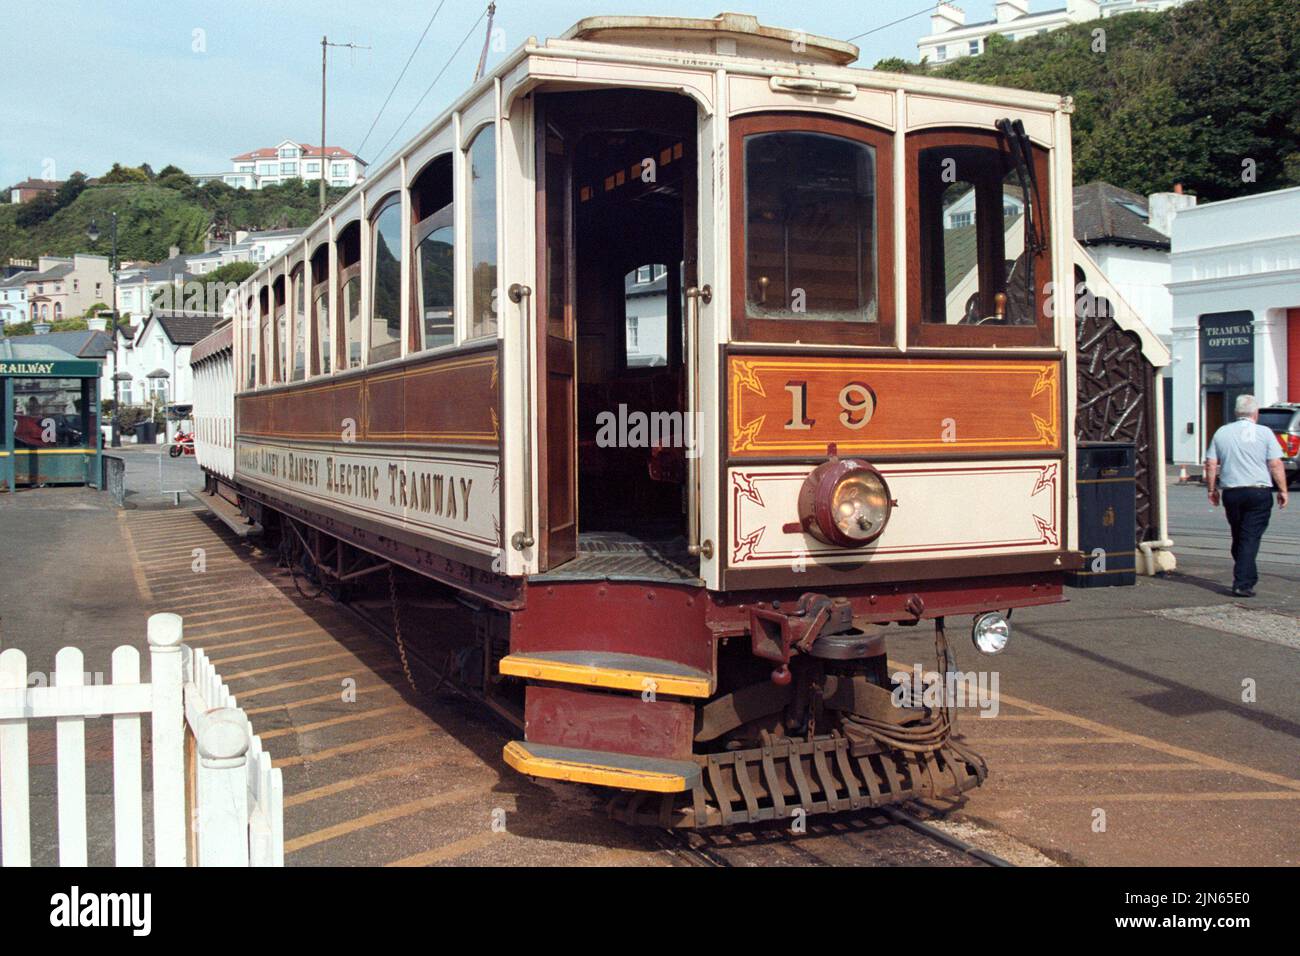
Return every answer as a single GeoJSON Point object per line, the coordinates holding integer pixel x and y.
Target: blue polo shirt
{"type": "Point", "coordinates": [1243, 451]}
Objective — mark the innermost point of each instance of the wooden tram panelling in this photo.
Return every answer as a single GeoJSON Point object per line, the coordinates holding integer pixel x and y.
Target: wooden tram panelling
{"type": "Point", "coordinates": [447, 400]}
{"type": "Point", "coordinates": [794, 406]}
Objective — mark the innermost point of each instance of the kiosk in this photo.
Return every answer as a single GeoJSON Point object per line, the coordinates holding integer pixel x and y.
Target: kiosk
{"type": "Point", "coordinates": [50, 428]}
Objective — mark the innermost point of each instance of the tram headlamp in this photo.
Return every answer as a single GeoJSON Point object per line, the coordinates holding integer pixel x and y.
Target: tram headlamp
{"type": "Point", "coordinates": [844, 502]}
{"type": "Point", "coordinates": [990, 632]}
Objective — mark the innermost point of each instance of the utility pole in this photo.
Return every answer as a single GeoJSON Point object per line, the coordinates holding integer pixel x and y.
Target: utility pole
{"type": "Point", "coordinates": [325, 44]}
{"type": "Point", "coordinates": [487, 39]}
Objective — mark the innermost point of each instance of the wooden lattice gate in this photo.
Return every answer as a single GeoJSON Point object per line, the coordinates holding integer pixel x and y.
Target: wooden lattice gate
{"type": "Point", "coordinates": [1116, 397]}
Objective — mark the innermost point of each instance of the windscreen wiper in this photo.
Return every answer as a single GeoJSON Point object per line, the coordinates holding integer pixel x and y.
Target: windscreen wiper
{"type": "Point", "coordinates": [1040, 240]}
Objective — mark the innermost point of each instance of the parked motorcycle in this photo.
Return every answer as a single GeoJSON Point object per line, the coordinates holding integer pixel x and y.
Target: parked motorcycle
{"type": "Point", "coordinates": [183, 445]}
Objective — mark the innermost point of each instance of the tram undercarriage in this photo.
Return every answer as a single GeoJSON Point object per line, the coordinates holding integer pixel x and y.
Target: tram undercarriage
{"type": "Point", "coordinates": [804, 718]}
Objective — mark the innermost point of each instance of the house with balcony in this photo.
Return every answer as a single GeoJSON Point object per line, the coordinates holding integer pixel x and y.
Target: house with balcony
{"type": "Point", "coordinates": [291, 160]}
{"type": "Point", "coordinates": [951, 37]}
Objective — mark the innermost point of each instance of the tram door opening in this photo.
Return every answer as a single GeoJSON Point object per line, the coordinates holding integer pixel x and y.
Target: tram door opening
{"type": "Point", "coordinates": [616, 200]}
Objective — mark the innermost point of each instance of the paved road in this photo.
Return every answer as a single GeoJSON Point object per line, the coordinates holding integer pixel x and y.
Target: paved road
{"type": "Point", "coordinates": [1107, 703]}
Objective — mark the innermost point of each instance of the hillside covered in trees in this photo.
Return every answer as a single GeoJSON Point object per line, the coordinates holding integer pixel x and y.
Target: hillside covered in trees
{"type": "Point", "coordinates": [154, 212]}
{"type": "Point", "coordinates": [1206, 94]}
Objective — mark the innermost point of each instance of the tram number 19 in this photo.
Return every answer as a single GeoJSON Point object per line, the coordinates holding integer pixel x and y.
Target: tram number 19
{"type": "Point", "coordinates": [857, 404]}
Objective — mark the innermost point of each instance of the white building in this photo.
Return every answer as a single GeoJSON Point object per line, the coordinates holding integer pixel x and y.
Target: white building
{"type": "Point", "coordinates": [1236, 311]}
{"type": "Point", "coordinates": [137, 285]}
{"type": "Point", "coordinates": [13, 298]}
{"type": "Point", "coordinates": [158, 358]}
{"type": "Point", "coordinates": [290, 160]}
{"type": "Point", "coordinates": [645, 316]}
{"type": "Point", "coordinates": [1127, 235]}
{"type": "Point", "coordinates": [952, 37]}
{"type": "Point", "coordinates": [255, 247]}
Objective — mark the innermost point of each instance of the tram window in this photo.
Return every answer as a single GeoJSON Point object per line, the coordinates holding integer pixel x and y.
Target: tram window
{"type": "Point", "coordinates": [351, 299]}
{"type": "Point", "coordinates": [386, 287]}
{"type": "Point", "coordinates": [979, 239]}
{"type": "Point", "coordinates": [980, 259]}
{"type": "Point", "coordinates": [323, 338]}
{"type": "Point", "coordinates": [281, 333]}
{"type": "Point", "coordinates": [322, 358]}
{"type": "Point", "coordinates": [433, 242]}
{"type": "Point", "coordinates": [250, 346]}
{"type": "Point", "coordinates": [299, 325]}
{"type": "Point", "coordinates": [481, 226]}
{"type": "Point", "coordinates": [349, 304]}
{"type": "Point", "coordinates": [810, 227]}
{"type": "Point", "coordinates": [267, 342]}
{"type": "Point", "coordinates": [435, 279]}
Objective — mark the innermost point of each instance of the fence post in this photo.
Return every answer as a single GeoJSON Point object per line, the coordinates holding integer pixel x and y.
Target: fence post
{"type": "Point", "coordinates": [168, 744]}
{"type": "Point", "coordinates": [223, 789]}
{"type": "Point", "coordinates": [15, 789]}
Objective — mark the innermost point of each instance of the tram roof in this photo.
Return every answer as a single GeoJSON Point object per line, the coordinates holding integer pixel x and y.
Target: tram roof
{"type": "Point", "coordinates": [655, 42]}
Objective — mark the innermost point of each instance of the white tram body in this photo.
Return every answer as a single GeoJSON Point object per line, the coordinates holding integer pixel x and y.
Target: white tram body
{"type": "Point", "coordinates": [421, 377]}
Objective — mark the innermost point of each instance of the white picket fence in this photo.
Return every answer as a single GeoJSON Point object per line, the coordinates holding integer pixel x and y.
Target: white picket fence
{"type": "Point", "coordinates": [203, 752]}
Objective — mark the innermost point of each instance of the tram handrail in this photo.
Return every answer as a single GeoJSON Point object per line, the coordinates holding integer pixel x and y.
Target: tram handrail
{"type": "Point", "coordinates": [518, 293]}
{"type": "Point", "coordinates": [695, 547]}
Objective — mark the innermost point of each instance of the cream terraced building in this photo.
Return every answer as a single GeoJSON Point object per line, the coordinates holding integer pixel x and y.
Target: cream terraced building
{"type": "Point", "coordinates": [951, 37]}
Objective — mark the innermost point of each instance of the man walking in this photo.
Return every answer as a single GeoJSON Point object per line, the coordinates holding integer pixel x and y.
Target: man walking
{"type": "Point", "coordinates": [1244, 461]}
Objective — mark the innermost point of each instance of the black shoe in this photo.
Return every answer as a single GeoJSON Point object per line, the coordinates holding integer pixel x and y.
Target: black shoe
{"type": "Point", "coordinates": [1243, 592]}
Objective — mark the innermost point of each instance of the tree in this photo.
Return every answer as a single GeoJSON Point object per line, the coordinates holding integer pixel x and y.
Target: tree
{"type": "Point", "coordinates": [36, 211]}
{"type": "Point", "coordinates": [1202, 95]}
{"type": "Point", "coordinates": [231, 272]}
{"type": "Point", "coordinates": [70, 189]}
{"type": "Point", "coordinates": [124, 174]}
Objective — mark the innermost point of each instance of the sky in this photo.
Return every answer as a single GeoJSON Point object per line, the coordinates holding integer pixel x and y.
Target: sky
{"type": "Point", "coordinates": [193, 83]}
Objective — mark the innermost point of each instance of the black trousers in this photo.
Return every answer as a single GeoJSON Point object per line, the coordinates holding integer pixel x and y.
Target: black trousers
{"type": "Point", "coordinates": [1248, 511]}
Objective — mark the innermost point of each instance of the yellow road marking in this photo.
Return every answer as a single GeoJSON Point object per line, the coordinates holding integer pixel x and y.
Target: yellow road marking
{"type": "Point", "coordinates": [141, 583]}
{"type": "Point", "coordinates": [1169, 750]}
{"type": "Point", "coordinates": [273, 613]}
{"type": "Point", "coordinates": [340, 786]}
{"type": "Point", "coordinates": [353, 747]}
{"type": "Point", "coordinates": [452, 850]}
{"type": "Point", "coordinates": [320, 699]}
{"type": "Point", "coordinates": [1117, 735]}
{"type": "Point", "coordinates": [1051, 741]}
{"type": "Point", "coordinates": [242, 675]}
{"type": "Point", "coordinates": [1091, 767]}
{"type": "Point", "coordinates": [333, 721]}
{"type": "Point", "coordinates": [286, 685]}
{"type": "Point", "coordinates": [620, 856]}
{"type": "Point", "coordinates": [1230, 795]}
{"type": "Point", "coordinates": [221, 645]}
{"type": "Point", "coordinates": [253, 655]}
{"type": "Point", "coordinates": [382, 816]}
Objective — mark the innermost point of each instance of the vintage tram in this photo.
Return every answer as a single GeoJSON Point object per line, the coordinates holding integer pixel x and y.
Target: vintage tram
{"type": "Point", "coordinates": [690, 363]}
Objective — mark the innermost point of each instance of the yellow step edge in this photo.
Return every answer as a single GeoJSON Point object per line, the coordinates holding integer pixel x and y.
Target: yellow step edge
{"type": "Point", "coordinates": [518, 665]}
{"type": "Point", "coordinates": [518, 757]}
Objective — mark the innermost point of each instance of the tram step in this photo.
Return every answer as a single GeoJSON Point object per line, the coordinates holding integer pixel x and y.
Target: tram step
{"type": "Point", "coordinates": [610, 670]}
{"type": "Point", "coordinates": [229, 514]}
{"type": "Point", "coordinates": [602, 769]}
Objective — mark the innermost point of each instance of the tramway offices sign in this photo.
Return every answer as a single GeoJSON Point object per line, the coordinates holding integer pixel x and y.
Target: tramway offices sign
{"type": "Point", "coordinates": [456, 497]}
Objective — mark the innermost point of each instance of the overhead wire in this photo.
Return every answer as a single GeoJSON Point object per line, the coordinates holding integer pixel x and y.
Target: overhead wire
{"type": "Point", "coordinates": [406, 67]}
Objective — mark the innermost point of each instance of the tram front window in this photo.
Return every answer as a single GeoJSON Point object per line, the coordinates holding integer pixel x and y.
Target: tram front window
{"type": "Point", "coordinates": [810, 231]}
{"type": "Point", "coordinates": [972, 210]}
